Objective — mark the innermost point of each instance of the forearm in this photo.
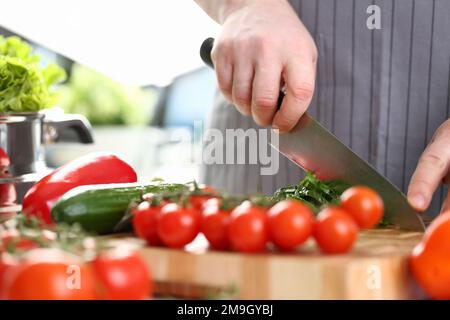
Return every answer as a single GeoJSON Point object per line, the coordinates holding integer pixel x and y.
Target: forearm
{"type": "Point", "coordinates": [219, 10]}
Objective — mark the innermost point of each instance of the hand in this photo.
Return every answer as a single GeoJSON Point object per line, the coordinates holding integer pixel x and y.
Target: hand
{"type": "Point", "coordinates": [263, 45]}
{"type": "Point", "coordinates": [432, 169]}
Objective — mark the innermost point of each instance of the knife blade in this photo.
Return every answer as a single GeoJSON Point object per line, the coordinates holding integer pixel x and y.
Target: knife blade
{"type": "Point", "coordinates": [315, 149]}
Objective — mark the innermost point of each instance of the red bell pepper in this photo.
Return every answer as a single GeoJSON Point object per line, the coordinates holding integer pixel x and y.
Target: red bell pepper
{"type": "Point", "coordinates": [94, 168]}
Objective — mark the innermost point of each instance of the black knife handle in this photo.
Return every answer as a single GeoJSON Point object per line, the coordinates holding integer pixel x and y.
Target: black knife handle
{"type": "Point", "coordinates": [205, 54]}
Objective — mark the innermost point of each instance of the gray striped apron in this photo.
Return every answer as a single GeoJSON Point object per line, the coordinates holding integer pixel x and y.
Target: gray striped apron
{"type": "Point", "coordinates": [383, 92]}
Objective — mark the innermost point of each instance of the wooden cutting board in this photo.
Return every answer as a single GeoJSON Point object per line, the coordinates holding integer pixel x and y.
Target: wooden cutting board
{"type": "Point", "coordinates": [377, 268]}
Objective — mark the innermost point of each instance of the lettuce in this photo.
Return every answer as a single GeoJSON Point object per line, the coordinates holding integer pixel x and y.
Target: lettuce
{"type": "Point", "coordinates": [24, 85]}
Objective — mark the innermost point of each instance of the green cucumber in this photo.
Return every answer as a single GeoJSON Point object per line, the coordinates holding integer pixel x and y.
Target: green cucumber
{"type": "Point", "coordinates": [99, 208]}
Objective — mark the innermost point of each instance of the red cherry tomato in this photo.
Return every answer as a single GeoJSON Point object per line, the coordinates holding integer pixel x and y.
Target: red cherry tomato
{"type": "Point", "coordinates": [7, 262]}
{"type": "Point", "coordinates": [48, 274]}
{"type": "Point", "coordinates": [430, 259]}
{"type": "Point", "coordinates": [177, 226]}
{"type": "Point", "coordinates": [247, 228]}
{"type": "Point", "coordinates": [144, 221]}
{"type": "Point", "coordinates": [214, 224]}
{"type": "Point", "coordinates": [290, 224]}
{"type": "Point", "coordinates": [335, 230]}
{"type": "Point", "coordinates": [198, 200]}
{"type": "Point", "coordinates": [122, 275]}
{"type": "Point", "coordinates": [364, 205]}
{"type": "Point", "coordinates": [12, 238]}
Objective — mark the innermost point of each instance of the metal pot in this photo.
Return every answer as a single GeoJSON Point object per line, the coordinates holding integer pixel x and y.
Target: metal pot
{"type": "Point", "coordinates": [22, 139]}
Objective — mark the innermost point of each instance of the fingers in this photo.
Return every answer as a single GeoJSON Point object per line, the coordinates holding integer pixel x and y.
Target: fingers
{"type": "Point", "coordinates": [299, 78]}
{"type": "Point", "coordinates": [266, 88]}
{"type": "Point", "coordinates": [224, 68]}
{"type": "Point", "coordinates": [431, 169]}
{"type": "Point", "coordinates": [249, 75]}
{"type": "Point", "coordinates": [243, 72]}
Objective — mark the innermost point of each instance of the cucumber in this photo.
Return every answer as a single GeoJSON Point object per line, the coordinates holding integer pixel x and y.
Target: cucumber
{"type": "Point", "coordinates": [99, 208]}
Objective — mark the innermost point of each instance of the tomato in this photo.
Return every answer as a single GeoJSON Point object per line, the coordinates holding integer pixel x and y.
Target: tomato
{"type": "Point", "coordinates": [214, 224]}
{"type": "Point", "coordinates": [95, 168]}
{"type": "Point", "coordinates": [430, 259]}
{"type": "Point", "coordinates": [198, 200]}
{"type": "Point", "coordinates": [122, 274]}
{"type": "Point", "coordinates": [7, 262]}
{"type": "Point", "coordinates": [364, 204]}
{"type": "Point", "coordinates": [177, 226]}
{"type": "Point", "coordinates": [12, 238]}
{"type": "Point", "coordinates": [247, 228]}
{"type": "Point", "coordinates": [48, 274]}
{"type": "Point", "coordinates": [335, 230]}
{"type": "Point", "coordinates": [290, 224]}
{"type": "Point", "coordinates": [144, 222]}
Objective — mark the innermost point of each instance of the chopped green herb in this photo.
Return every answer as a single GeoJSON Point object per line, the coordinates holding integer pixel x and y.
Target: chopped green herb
{"type": "Point", "coordinates": [313, 192]}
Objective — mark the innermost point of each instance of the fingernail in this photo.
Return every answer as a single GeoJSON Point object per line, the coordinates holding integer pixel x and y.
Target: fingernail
{"type": "Point", "coordinates": [277, 129]}
{"type": "Point", "coordinates": [418, 201]}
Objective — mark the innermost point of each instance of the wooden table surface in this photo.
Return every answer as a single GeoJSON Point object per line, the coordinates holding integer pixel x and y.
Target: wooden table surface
{"type": "Point", "coordinates": [376, 268]}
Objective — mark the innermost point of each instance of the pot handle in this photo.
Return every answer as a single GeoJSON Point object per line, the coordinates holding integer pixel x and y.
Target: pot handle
{"type": "Point", "coordinates": [54, 127]}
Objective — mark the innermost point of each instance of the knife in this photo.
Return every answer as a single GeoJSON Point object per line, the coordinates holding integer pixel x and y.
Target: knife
{"type": "Point", "coordinates": [315, 149]}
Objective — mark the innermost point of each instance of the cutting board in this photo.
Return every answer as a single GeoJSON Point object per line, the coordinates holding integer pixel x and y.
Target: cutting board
{"type": "Point", "coordinates": [376, 268]}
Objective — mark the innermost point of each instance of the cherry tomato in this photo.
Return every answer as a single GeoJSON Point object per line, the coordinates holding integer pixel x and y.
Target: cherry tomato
{"type": "Point", "coordinates": [12, 238]}
{"type": "Point", "coordinates": [177, 226]}
{"type": "Point", "coordinates": [144, 222]}
{"type": "Point", "coordinates": [335, 230]}
{"type": "Point", "coordinates": [247, 228]}
{"type": "Point", "coordinates": [48, 274]}
{"type": "Point", "coordinates": [198, 200]}
{"type": "Point", "coordinates": [290, 224]}
{"type": "Point", "coordinates": [7, 262]}
{"type": "Point", "coordinates": [214, 224]}
{"type": "Point", "coordinates": [364, 204]}
{"type": "Point", "coordinates": [122, 274]}
{"type": "Point", "coordinates": [430, 259]}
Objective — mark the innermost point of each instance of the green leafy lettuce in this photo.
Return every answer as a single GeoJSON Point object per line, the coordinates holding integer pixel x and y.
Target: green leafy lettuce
{"type": "Point", "coordinates": [24, 85]}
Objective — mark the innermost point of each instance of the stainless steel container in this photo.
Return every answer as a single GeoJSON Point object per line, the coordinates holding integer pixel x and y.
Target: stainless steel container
{"type": "Point", "coordinates": [22, 139]}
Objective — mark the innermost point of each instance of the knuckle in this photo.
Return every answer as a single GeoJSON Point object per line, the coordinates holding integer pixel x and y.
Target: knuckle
{"type": "Point", "coordinates": [223, 46]}
{"type": "Point", "coordinates": [241, 44]}
{"type": "Point", "coordinates": [285, 121]}
{"type": "Point", "coordinates": [420, 183]}
{"type": "Point", "coordinates": [433, 160]}
{"type": "Point", "coordinates": [264, 45]}
{"type": "Point", "coordinates": [241, 98]}
{"type": "Point", "coordinates": [223, 84]}
{"type": "Point", "coordinates": [303, 92]}
{"type": "Point", "coordinates": [265, 101]}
